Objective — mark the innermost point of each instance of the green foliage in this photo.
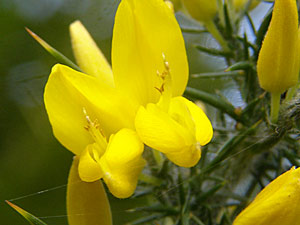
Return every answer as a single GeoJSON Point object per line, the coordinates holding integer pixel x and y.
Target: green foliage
{"type": "Point", "coordinates": [29, 217]}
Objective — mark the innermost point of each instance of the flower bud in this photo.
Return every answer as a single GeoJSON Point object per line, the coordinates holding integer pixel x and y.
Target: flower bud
{"type": "Point", "coordinates": [277, 64]}
{"type": "Point", "coordinates": [201, 10]}
{"type": "Point", "coordinates": [241, 4]}
{"type": "Point", "coordinates": [276, 204]}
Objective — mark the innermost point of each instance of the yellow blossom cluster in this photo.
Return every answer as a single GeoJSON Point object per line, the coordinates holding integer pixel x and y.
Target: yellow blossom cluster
{"type": "Point", "coordinates": [106, 114]}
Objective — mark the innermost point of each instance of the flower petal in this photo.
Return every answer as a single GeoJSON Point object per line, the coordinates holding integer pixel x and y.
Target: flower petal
{"type": "Point", "coordinates": [180, 113]}
{"type": "Point", "coordinates": [172, 134]}
{"type": "Point", "coordinates": [143, 31]}
{"type": "Point", "coordinates": [68, 93]}
{"type": "Point", "coordinates": [276, 204]}
{"type": "Point", "coordinates": [158, 130]}
{"type": "Point", "coordinates": [204, 130]}
{"type": "Point", "coordinates": [88, 56]}
{"type": "Point", "coordinates": [87, 203]}
{"type": "Point", "coordinates": [277, 64]}
{"type": "Point", "coordinates": [187, 157]}
{"type": "Point", "coordinates": [122, 163]}
{"type": "Point", "coordinates": [89, 169]}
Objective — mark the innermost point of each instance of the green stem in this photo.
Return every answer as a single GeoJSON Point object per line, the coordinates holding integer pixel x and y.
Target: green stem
{"type": "Point", "coordinates": [221, 12]}
{"type": "Point", "coordinates": [211, 27]}
{"type": "Point", "coordinates": [275, 105]}
{"type": "Point", "coordinates": [158, 158]}
{"type": "Point", "coordinates": [291, 92]}
{"type": "Point", "coordinates": [150, 179]}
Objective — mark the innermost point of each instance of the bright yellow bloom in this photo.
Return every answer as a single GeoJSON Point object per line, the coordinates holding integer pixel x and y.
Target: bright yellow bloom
{"type": "Point", "coordinates": [174, 126]}
{"type": "Point", "coordinates": [201, 10]}
{"type": "Point", "coordinates": [276, 204]}
{"type": "Point", "coordinates": [81, 117]}
{"type": "Point", "coordinates": [95, 115]}
{"type": "Point", "coordinates": [278, 63]}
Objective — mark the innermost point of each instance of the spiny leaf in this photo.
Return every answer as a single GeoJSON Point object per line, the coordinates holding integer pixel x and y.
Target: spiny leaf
{"type": "Point", "coordinates": [221, 74]}
{"type": "Point", "coordinates": [214, 52]}
{"type": "Point", "coordinates": [193, 30]}
{"type": "Point", "coordinates": [242, 65]}
{"type": "Point", "coordinates": [56, 54]}
{"type": "Point", "coordinates": [29, 217]}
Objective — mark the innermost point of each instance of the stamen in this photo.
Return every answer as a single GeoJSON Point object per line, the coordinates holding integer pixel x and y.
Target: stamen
{"type": "Point", "coordinates": [166, 63]}
{"type": "Point", "coordinates": [163, 75]}
{"type": "Point", "coordinates": [95, 131]}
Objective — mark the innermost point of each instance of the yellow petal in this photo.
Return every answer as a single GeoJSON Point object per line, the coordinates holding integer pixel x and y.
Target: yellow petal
{"type": "Point", "coordinates": [87, 203]}
{"type": "Point", "coordinates": [179, 111]}
{"type": "Point", "coordinates": [276, 204]}
{"type": "Point", "coordinates": [143, 31]}
{"type": "Point", "coordinates": [158, 130]}
{"type": "Point", "coordinates": [202, 10]}
{"type": "Point", "coordinates": [88, 56]}
{"type": "Point", "coordinates": [187, 157]}
{"type": "Point", "coordinates": [204, 130]}
{"type": "Point", "coordinates": [68, 93]}
{"type": "Point", "coordinates": [277, 64]}
{"type": "Point", "coordinates": [172, 134]}
{"type": "Point", "coordinates": [89, 169]}
{"type": "Point", "coordinates": [122, 163]}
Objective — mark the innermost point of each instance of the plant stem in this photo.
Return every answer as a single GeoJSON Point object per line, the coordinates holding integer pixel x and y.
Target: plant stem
{"type": "Point", "coordinates": [211, 27]}
{"type": "Point", "coordinates": [158, 158]}
{"type": "Point", "coordinates": [275, 104]}
{"type": "Point", "coordinates": [291, 92]}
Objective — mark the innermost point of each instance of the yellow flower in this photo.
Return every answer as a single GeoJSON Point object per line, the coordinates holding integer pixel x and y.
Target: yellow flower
{"type": "Point", "coordinates": [95, 115]}
{"type": "Point", "coordinates": [278, 63]}
{"type": "Point", "coordinates": [82, 117]}
{"type": "Point", "coordinates": [174, 126]}
{"type": "Point", "coordinates": [201, 10]}
{"type": "Point", "coordinates": [276, 204]}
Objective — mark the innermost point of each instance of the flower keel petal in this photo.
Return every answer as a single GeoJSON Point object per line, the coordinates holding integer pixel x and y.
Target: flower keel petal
{"type": "Point", "coordinates": [122, 163]}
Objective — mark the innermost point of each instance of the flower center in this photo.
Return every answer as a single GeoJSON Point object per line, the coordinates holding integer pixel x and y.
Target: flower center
{"type": "Point", "coordinates": [166, 87]}
{"type": "Point", "coordinates": [93, 127]}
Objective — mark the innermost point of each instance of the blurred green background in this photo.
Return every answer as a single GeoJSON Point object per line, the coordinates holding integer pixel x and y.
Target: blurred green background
{"type": "Point", "coordinates": [33, 165]}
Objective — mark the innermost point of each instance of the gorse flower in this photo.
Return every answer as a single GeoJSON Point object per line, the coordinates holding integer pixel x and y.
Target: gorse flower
{"type": "Point", "coordinates": [106, 113]}
{"type": "Point", "coordinates": [276, 204]}
{"type": "Point", "coordinates": [174, 126]}
{"type": "Point", "coordinates": [278, 61]}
